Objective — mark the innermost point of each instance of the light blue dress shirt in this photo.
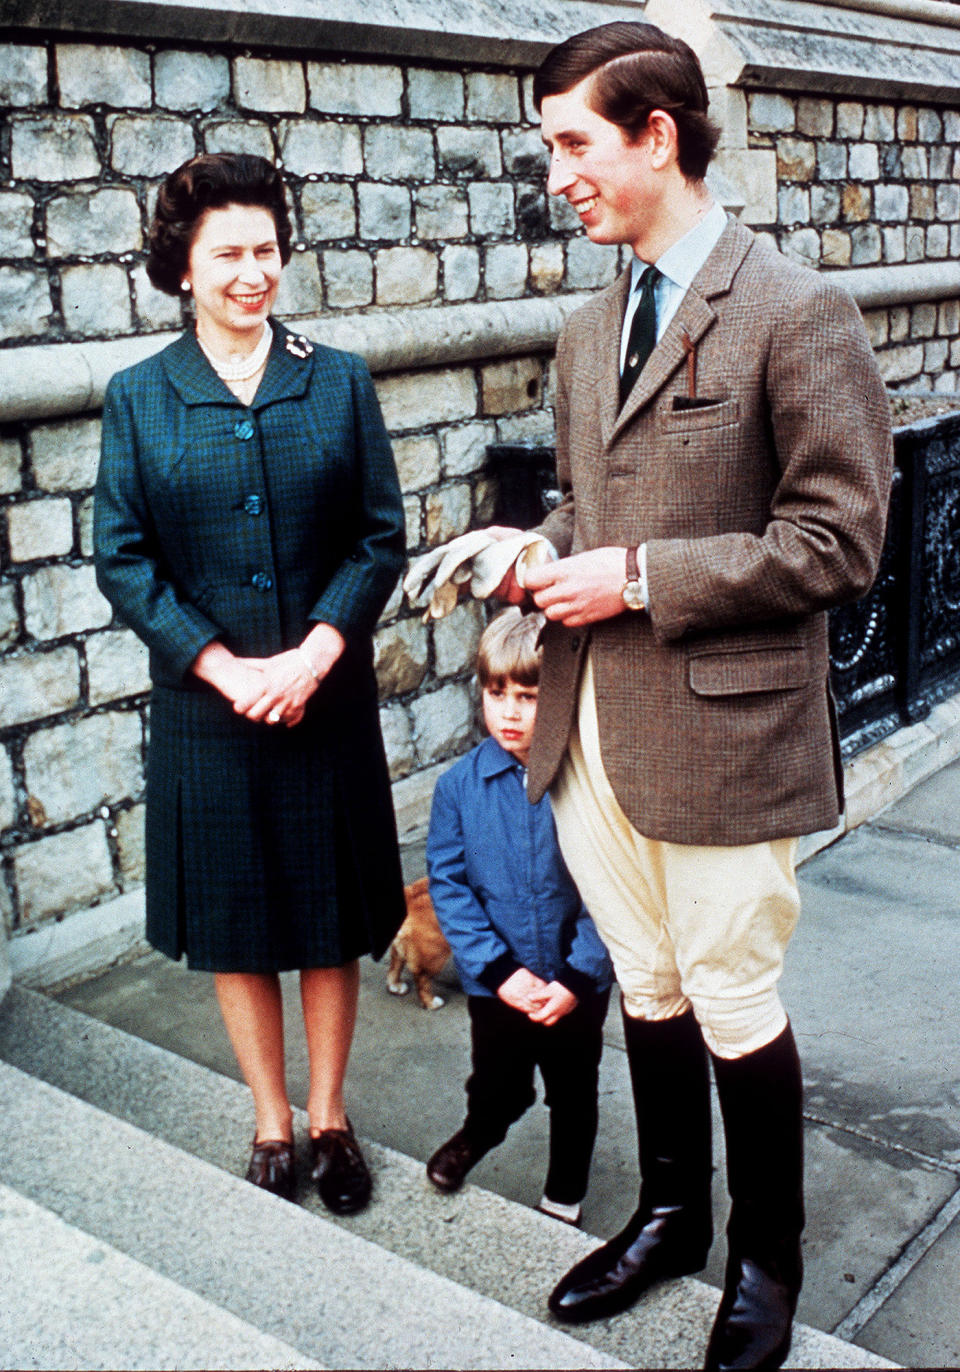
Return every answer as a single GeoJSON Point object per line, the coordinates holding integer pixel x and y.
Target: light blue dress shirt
{"type": "Point", "coordinates": [677, 267]}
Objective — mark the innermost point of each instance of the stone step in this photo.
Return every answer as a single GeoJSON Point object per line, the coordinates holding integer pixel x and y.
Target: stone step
{"type": "Point", "coordinates": [72, 1301]}
{"type": "Point", "coordinates": [313, 1293]}
{"type": "Point", "coordinates": [500, 1250]}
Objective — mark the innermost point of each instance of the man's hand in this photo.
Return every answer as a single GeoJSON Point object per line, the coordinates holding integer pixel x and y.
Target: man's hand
{"type": "Point", "coordinates": [580, 589]}
{"type": "Point", "coordinates": [553, 1002]}
{"type": "Point", "coordinates": [521, 989]}
{"type": "Point", "coordinates": [509, 589]}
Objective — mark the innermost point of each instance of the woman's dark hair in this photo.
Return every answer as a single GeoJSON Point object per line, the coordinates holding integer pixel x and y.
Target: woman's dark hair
{"type": "Point", "coordinates": [209, 182]}
{"type": "Point", "coordinates": [637, 68]}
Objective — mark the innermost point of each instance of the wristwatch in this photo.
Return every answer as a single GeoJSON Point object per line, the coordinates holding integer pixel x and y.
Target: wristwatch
{"type": "Point", "coordinates": [632, 592]}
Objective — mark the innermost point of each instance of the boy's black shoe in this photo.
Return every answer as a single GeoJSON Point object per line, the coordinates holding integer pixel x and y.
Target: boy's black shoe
{"type": "Point", "coordinates": [452, 1161]}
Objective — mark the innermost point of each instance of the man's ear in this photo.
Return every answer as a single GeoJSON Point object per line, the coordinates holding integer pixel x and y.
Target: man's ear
{"type": "Point", "coordinates": [661, 131]}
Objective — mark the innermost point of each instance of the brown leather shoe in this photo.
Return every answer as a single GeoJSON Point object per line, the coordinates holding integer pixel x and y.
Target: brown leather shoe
{"type": "Point", "coordinates": [271, 1167]}
{"type": "Point", "coordinates": [452, 1161]}
{"type": "Point", "coordinates": [342, 1178]}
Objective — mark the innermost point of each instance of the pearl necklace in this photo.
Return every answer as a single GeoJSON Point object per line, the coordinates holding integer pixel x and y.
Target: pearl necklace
{"type": "Point", "coordinates": [247, 366]}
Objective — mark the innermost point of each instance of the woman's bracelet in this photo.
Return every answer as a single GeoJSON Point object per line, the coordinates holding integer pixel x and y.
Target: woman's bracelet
{"type": "Point", "coordinates": [308, 664]}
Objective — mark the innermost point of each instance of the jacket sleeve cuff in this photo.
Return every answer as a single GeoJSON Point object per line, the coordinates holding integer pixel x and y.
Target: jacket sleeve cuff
{"type": "Point", "coordinates": [496, 973]}
{"type": "Point", "coordinates": [578, 982]}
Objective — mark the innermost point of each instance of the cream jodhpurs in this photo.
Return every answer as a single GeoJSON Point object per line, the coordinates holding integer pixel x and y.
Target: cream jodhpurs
{"type": "Point", "coordinates": [686, 926]}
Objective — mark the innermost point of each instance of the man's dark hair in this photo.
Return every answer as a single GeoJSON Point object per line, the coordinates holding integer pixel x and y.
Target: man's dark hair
{"type": "Point", "coordinates": [637, 68]}
{"type": "Point", "coordinates": [209, 182]}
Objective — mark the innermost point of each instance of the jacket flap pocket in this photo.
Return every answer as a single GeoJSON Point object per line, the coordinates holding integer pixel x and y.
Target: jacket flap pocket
{"type": "Point", "coordinates": [754, 669]}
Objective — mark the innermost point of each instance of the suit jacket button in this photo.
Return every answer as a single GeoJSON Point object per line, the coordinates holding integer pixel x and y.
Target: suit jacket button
{"type": "Point", "coordinates": [243, 428]}
{"type": "Point", "coordinates": [253, 505]}
{"type": "Point", "coordinates": [261, 581]}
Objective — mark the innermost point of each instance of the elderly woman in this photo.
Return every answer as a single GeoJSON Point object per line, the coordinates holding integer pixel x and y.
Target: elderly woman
{"type": "Point", "coordinates": [249, 529]}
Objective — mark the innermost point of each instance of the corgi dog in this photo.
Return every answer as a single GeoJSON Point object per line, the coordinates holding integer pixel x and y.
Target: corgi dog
{"type": "Point", "coordinates": [419, 945]}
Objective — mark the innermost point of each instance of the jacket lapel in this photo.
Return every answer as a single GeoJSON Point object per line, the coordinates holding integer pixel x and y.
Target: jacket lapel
{"type": "Point", "coordinates": [192, 376]}
{"type": "Point", "coordinates": [288, 372]}
{"type": "Point", "coordinates": [610, 330]}
{"type": "Point", "coordinates": [693, 318]}
{"type": "Point", "coordinates": [289, 367]}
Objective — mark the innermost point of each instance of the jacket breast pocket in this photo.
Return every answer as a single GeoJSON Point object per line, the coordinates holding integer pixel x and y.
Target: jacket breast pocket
{"type": "Point", "coordinates": [751, 671]}
{"type": "Point", "coordinates": [681, 414]}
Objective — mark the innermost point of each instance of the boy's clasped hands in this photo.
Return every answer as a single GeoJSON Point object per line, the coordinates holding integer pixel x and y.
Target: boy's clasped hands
{"type": "Point", "coordinates": [543, 1002]}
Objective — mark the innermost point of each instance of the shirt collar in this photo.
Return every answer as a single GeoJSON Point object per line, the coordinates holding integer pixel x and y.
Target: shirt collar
{"type": "Point", "coordinates": [683, 259]}
{"type": "Point", "coordinates": [494, 759]}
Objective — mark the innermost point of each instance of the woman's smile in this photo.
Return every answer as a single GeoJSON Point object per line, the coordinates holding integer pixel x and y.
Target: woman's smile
{"type": "Point", "coordinates": [234, 273]}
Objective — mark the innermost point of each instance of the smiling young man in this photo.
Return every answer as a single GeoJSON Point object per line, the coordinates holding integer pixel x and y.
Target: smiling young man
{"type": "Point", "coordinates": [723, 444]}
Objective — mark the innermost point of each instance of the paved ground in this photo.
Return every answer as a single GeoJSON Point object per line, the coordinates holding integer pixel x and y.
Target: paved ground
{"type": "Point", "coordinates": [871, 985]}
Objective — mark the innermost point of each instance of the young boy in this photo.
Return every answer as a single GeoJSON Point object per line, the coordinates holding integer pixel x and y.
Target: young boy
{"type": "Point", "coordinates": [536, 975]}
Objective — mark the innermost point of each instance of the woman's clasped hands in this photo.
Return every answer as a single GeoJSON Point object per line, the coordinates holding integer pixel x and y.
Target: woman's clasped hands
{"type": "Point", "coordinates": [276, 689]}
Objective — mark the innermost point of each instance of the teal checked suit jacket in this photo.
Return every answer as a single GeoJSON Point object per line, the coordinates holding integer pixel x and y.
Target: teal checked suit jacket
{"type": "Point", "coordinates": [247, 524]}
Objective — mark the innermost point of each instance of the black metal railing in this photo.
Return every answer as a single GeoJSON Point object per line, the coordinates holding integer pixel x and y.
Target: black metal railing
{"type": "Point", "coordinates": [894, 653]}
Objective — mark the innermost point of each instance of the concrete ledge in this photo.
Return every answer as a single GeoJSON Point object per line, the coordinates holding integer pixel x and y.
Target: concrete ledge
{"type": "Point", "coordinates": [932, 11]}
{"type": "Point", "coordinates": [91, 940]}
{"type": "Point", "coordinates": [875, 287]}
{"type": "Point", "coordinates": [6, 975]}
{"type": "Point", "coordinates": [895, 51]}
{"type": "Point", "coordinates": [60, 379]}
{"type": "Point", "coordinates": [502, 32]}
{"type": "Point", "coordinates": [80, 944]}
{"type": "Point", "coordinates": [43, 382]}
{"type": "Point", "coordinates": [883, 774]}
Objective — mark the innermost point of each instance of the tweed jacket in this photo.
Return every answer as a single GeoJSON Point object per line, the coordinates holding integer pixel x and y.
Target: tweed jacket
{"type": "Point", "coordinates": [197, 538]}
{"type": "Point", "coordinates": [762, 499]}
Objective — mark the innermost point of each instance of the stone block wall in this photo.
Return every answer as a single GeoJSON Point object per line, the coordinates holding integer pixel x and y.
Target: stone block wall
{"type": "Point", "coordinates": [862, 183]}
{"type": "Point", "coordinates": [412, 186]}
{"type": "Point", "coordinates": [417, 191]}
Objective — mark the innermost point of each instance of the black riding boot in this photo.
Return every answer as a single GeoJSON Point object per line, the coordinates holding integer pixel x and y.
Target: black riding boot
{"type": "Point", "coordinates": [761, 1096]}
{"type": "Point", "coordinates": [671, 1231]}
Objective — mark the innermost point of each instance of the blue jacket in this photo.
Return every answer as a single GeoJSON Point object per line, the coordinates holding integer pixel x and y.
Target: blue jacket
{"type": "Point", "coordinates": [501, 890]}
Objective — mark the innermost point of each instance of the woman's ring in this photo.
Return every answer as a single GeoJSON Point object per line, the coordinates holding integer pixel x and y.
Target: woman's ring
{"type": "Point", "coordinates": [273, 717]}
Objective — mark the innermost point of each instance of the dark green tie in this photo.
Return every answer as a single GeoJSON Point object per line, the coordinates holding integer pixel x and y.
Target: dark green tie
{"type": "Point", "coordinates": [643, 333]}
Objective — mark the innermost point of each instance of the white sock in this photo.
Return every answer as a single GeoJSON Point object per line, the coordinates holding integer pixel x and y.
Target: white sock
{"type": "Point", "coordinates": [570, 1214]}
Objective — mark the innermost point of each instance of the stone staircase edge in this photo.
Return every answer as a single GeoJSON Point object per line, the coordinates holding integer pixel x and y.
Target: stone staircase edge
{"type": "Point", "coordinates": [507, 1232]}
{"type": "Point", "coordinates": [233, 1240]}
{"type": "Point", "coordinates": [106, 1308]}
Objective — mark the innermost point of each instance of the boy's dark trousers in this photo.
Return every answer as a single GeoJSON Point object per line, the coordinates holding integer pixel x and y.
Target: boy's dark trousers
{"type": "Point", "coordinates": [507, 1047]}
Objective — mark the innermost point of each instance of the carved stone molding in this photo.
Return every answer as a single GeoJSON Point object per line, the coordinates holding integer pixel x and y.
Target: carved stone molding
{"type": "Point", "coordinates": [905, 50]}
{"type": "Point", "coordinates": [60, 379]}
{"type": "Point", "coordinates": [502, 32]}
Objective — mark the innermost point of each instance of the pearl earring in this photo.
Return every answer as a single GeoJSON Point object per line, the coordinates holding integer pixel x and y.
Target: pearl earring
{"type": "Point", "coordinates": [184, 285]}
